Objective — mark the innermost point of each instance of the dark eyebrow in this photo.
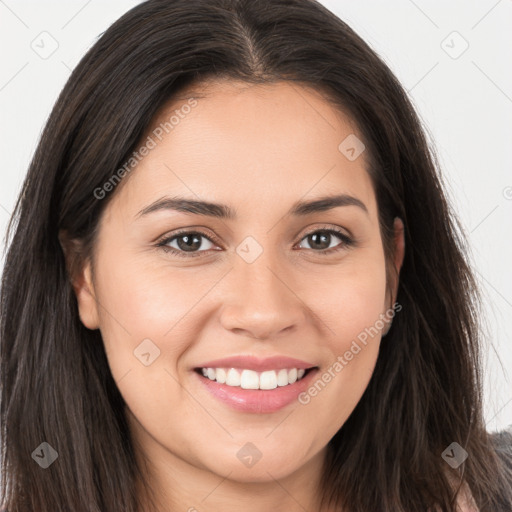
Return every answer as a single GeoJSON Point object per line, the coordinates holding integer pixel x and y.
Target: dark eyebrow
{"type": "Point", "coordinates": [222, 211]}
{"type": "Point", "coordinates": [301, 208]}
{"type": "Point", "coordinates": [182, 204]}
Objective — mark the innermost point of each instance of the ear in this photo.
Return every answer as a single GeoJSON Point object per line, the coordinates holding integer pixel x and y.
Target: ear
{"type": "Point", "coordinates": [398, 258]}
{"type": "Point", "coordinates": [80, 274]}
{"type": "Point", "coordinates": [398, 254]}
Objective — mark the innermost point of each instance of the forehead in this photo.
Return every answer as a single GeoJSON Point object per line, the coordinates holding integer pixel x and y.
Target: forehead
{"type": "Point", "coordinates": [249, 145]}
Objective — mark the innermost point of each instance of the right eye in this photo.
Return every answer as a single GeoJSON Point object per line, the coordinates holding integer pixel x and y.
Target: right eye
{"type": "Point", "coordinates": [187, 243]}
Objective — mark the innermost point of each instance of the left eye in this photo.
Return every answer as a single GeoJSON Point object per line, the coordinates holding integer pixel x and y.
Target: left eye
{"type": "Point", "coordinates": [321, 236]}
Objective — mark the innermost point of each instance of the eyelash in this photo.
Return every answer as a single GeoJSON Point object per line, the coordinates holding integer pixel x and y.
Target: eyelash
{"type": "Point", "coordinates": [346, 242]}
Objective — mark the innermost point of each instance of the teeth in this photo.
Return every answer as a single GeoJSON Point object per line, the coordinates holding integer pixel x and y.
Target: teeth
{"type": "Point", "coordinates": [220, 375]}
{"type": "Point", "coordinates": [268, 380]}
{"type": "Point", "coordinates": [233, 378]}
{"type": "Point", "coordinates": [249, 379]}
{"type": "Point", "coordinates": [282, 378]}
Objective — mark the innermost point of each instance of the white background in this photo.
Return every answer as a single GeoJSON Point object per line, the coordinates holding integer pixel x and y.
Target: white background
{"type": "Point", "coordinates": [465, 103]}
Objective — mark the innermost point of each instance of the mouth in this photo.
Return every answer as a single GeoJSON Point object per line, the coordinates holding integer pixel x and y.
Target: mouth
{"type": "Point", "coordinates": [251, 379]}
{"type": "Point", "coordinates": [251, 391]}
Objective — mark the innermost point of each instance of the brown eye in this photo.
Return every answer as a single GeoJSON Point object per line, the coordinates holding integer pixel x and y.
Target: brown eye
{"type": "Point", "coordinates": [187, 243]}
{"type": "Point", "coordinates": [323, 240]}
{"type": "Point", "coordinates": [195, 243]}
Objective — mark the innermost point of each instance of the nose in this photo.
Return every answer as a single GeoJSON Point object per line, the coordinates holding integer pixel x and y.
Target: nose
{"type": "Point", "coordinates": [262, 301]}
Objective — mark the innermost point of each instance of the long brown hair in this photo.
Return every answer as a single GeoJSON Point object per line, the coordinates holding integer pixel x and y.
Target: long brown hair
{"type": "Point", "coordinates": [56, 386]}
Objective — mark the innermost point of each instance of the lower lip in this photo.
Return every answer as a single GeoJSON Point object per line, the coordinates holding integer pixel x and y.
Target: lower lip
{"type": "Point", "coordinates": [257, 400]}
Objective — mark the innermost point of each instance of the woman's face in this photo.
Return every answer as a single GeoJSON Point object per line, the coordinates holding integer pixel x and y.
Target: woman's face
{"type": "Point", "coordinates": [267, 289]}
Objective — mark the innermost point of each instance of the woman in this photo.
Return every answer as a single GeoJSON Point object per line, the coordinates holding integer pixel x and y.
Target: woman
{"type": "Point", "coordinates": [234, 281]}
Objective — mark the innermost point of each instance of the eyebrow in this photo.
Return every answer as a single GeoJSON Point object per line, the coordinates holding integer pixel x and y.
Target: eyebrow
{"type": "Point", "coordinates": [222, 211]}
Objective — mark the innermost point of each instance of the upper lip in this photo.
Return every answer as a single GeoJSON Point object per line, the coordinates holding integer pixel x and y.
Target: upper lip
{"type": "Point", "coordinates": [257, 364]}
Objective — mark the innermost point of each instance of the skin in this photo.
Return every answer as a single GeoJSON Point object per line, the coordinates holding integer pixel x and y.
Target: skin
{"type": "Point", "coordinates": [258, 149]}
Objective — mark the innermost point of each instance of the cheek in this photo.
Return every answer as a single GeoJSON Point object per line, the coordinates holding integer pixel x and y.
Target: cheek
{"type": "Point", "coordinates": [143, 301]}
{"type": "Point", "coordinates": [349, 299]}
{"type": "Point", "coordinates": [148, 320]}
{"type": "Point", "coordinates": [352, 304]}
{"type": "Point", "coordinates": [359, 322]}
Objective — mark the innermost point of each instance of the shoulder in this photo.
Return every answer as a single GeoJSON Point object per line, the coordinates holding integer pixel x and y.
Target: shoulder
{"type": "Point", "coordinates": [502, 442]}
{"type": "Point", "coordinates": [465, 501]}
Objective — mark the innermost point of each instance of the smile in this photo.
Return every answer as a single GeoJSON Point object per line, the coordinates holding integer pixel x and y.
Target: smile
{"type": "Point", "coordinates": [250, 391]}
{"type": "Point", "coordinates": [250, 379]}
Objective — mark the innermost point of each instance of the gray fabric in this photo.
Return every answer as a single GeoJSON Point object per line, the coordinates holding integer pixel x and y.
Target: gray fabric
{"type": "Point", "coordinates": [502, 441]}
